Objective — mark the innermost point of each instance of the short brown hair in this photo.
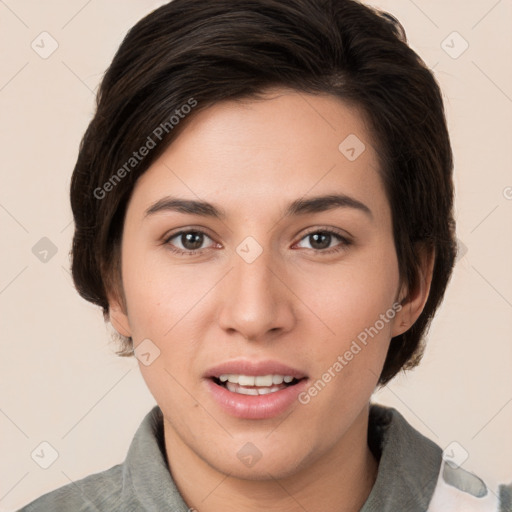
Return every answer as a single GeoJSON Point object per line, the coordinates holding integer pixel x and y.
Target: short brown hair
{"type": "Point", "coordinates": [230, 49]}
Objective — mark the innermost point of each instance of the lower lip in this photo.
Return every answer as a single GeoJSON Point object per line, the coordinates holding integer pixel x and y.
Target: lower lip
{"type": "Point", "coordinates": [255, 407]}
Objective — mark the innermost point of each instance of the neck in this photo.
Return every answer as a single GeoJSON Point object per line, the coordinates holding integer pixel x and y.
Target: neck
{"type": "Point", "coordinates": [337, 481]}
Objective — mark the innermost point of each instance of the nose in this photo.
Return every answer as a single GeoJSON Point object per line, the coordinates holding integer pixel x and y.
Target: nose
{"type": "Point", "coordinates": [257, 302]}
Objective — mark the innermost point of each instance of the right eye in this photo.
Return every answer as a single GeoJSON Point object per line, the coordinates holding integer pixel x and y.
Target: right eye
{"type": "Point", "coordinates": [188, 242]}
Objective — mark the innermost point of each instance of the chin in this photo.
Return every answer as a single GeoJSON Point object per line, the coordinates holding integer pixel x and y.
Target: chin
{"type": "Point", "coordinates": [261, 471]}
{"type": "Point", "coordinates": [259, 460]}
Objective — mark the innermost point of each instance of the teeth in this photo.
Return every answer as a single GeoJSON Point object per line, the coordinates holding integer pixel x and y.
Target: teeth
{"type": "Point", "coordinates": [260, 380]}
{"type": "Point", "coordinates": [236, 388]}
{"type": "Point", "coordinates": [266, 391]}
{"type": "Point", "coordinates": [255, 385]}
{"type": "Point", "coordinates": [246, 380]}
{"type": "Point", "coordinates": [243, 391]}
{"type": "Point", "coordinates": [263, 380]}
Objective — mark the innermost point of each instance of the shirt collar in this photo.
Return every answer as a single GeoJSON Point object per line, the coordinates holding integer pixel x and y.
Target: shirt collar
{"type": "Point", "coordinates": [409, 465]}
{"type": "Point", "coordinates": [146, 470]}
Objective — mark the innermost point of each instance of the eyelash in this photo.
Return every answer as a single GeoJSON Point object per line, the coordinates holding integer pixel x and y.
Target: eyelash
{"type": "Point", "coordinates": [345, 242]}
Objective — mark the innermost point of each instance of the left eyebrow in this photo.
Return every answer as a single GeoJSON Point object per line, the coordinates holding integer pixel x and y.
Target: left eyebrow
{"type": "Point", "coordinates": [297, 207]}
{"type": "Point", "coordinates": [323, 203]}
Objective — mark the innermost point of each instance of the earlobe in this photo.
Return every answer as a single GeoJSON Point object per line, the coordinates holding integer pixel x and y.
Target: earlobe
{"type": "Point", "coordinates": [118, 318]}
{"type": "Point", "coordinates": [415, 299]}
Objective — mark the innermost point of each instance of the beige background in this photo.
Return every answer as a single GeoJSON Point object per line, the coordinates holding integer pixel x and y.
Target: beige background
{"type": "Point", "coordinates": [61, 382]}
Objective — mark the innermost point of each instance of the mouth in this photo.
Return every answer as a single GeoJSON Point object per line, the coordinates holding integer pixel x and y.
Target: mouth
{"type": "Point", "coordinates": [255, 385]}
{"type": "Point", "coordinates": [251, 389]}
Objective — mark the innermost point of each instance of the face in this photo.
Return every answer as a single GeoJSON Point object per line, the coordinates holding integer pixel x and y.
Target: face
{"type": "Point", "coordinates": [258, 248]}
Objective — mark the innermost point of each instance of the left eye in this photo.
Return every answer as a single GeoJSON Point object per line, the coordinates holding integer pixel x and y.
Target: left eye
{"type": "Point", "coordinates": [321, 240]}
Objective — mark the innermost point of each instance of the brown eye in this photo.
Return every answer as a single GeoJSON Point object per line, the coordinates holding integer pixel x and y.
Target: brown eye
{"type": "Point", "coordinates": [320, 240]}
{"type": "Point", "coordinates": [324, 241]}
{"type": "Point", "coordinates": [192, 240]}
{"type": "Point", "coordinates": [187, 242]}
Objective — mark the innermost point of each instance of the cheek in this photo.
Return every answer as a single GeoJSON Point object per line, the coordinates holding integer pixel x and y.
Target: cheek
{"type": "Point", "coordinates": [356, 304]}
{"type": "Point", "coordinates": [351, 296]}
{"type": "Point", "coordinates": [359, 310]}
{"type": "Point", "coordinates": [160, 296]}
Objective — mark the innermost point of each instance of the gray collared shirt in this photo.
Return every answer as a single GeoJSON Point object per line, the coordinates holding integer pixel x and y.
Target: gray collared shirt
{"type": "Point", "coordinates": [412, 476]}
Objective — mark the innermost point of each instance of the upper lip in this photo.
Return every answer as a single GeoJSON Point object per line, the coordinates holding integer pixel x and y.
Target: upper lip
{"type": "Point", "coordinates": [254, 368]}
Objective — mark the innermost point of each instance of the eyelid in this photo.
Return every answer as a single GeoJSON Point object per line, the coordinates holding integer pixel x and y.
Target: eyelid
{"type": "Point", "coordinates": [186, 229]}
{"type": "Point", "coordinates": [327, 229]}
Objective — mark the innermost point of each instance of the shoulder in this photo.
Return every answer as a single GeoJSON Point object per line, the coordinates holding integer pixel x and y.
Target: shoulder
{"type": "Point", "coordinates": [458, 490]}
{"type": "Point", "coordinates": [415, 474]}
{"type": "Point", "coordinates": [98, 492]}
{"type": "Point", "coordinates": [141, 482]}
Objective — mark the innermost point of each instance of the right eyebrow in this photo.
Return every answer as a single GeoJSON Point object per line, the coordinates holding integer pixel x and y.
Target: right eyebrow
{"type": "Point", "coordinates": [189, 206]}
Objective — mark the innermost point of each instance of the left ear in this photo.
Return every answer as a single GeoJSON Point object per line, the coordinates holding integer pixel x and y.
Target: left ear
{"type": "Point", "coordinates": [415, 299]}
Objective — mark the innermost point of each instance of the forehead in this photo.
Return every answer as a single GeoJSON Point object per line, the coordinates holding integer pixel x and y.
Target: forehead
{"type": "Point", "coordinates": [267, 152]}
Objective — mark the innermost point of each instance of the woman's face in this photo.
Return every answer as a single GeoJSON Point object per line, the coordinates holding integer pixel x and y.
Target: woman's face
{"type": "Point", "coordinates": [260, 244]}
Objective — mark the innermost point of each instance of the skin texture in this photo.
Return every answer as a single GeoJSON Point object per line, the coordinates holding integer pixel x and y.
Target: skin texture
{"type": "Point", "coordinates": [295, 303]}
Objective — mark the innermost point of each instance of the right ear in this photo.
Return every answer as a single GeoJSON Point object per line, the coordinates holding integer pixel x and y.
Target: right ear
{"type": "Point", "coordinates": [118, 316]}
